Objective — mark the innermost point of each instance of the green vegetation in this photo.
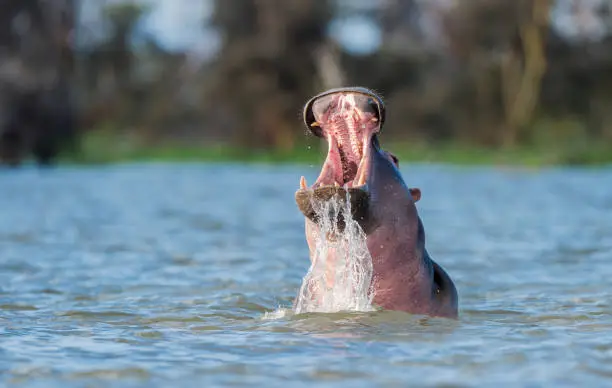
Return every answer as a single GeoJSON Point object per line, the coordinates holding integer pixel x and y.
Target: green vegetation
{"type": "Point", "coordinates": [101, 147]}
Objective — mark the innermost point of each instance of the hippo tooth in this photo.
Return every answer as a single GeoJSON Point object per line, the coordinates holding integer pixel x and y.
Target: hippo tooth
{"type": "Point", "coordinates": [362, 176]}
{"type": "Point", "coordinates": [315, 124]}
{"type": "Point", "coordinates": [303, 185]}
{"type": "Point", "coordinates": [361, 171]}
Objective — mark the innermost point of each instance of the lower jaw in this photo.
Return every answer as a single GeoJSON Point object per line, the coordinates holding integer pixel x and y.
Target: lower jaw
{"type": "Point", "coordinates": [308, 201]}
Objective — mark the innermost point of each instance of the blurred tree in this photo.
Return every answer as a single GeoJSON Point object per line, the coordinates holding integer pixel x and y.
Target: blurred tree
{"type": "Point", "coordinates": [37, 114]}
{"type": "Point", "coordinates": [267, 66]}
{"type": "Point", "coordinates": [522, 72]}
{"type": "Point", "coordinates": [500, 48]}
{"type": "Point", "coordinates": [108, 67]}
{"type": "Point", "coordinates": [484, 71]}
{"type": "Point", "coordinates": [578, 84]}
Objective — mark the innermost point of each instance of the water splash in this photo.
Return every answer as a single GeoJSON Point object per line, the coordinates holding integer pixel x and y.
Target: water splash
{"type": "Point", "coordinates": [340, 276]}
{"type": "Point", "coordinates": [279, 313]}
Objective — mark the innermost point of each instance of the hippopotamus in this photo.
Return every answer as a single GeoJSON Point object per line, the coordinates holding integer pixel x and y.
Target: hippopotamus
{"type": "Point", "coordinates": [404, 276]}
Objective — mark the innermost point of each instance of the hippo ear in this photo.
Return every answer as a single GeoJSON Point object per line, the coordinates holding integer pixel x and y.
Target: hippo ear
{"type": "Point", "coordinates": [416, 194]}
{"type": "Point", "coordinates": [393, 158]}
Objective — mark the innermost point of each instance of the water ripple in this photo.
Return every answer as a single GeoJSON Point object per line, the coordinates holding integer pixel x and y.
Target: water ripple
{"type": "Point", "coordinates": [152, 275]}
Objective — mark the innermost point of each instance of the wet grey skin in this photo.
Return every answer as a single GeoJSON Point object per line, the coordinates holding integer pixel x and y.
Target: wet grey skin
{"type": "Point", "coordinates": [405, 277]}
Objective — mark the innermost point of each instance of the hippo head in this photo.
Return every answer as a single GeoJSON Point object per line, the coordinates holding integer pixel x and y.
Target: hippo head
{"type": "Point", "coordinates": [351, 119]}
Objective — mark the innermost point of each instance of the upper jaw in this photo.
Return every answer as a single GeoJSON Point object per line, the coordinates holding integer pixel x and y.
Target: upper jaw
{"type": "Point", "coordinates": [349, 125]}
{"type": "Point", "coordinates": [372, 99]}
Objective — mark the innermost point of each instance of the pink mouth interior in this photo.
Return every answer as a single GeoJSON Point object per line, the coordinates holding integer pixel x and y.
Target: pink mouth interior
{"type": "Point", "coordinates": [348, 125]}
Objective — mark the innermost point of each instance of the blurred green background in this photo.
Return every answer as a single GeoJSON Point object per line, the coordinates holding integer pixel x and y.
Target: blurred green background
{"type": "Point", "coordinates": [479, 81]}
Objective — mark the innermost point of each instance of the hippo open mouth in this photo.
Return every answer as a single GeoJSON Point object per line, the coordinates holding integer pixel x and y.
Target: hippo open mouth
{"type": "Point", "coordinates": [349, 119]}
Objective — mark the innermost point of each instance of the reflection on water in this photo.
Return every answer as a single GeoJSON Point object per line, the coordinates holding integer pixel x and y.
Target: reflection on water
{"type": "Point", "coordinates": [145, 275]}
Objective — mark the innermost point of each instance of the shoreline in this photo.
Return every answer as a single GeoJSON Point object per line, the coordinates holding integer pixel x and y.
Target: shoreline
{"type": "Point", "coordinates": [109, 150]}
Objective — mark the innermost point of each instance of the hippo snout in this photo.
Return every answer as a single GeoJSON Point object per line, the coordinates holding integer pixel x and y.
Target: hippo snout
{"type": "Point", "coordinates": [311, 202]}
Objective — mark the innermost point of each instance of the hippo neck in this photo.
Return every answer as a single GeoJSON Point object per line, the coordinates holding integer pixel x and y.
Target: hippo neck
{"type": "Point", "coordinates": [420, 257]}
{"type": "Point", "coordinates": [420, 250]}
{"type": "Point", "coordinates": [407, 253]}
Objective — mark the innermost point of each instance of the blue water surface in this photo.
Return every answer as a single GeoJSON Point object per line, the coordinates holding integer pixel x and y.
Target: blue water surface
{"type": "Point", "coordinates": [184, 274]}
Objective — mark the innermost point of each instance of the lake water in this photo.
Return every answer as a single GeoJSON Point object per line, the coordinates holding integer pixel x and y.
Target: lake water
{"type": "Point", "coordinates": [183, 275]}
